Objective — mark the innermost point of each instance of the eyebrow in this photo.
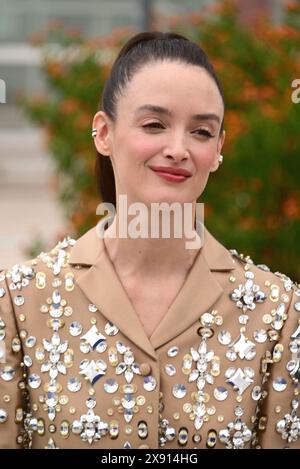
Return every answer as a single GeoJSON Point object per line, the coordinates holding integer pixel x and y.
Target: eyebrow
{"type": "Point", "coordinates": [167, 112]}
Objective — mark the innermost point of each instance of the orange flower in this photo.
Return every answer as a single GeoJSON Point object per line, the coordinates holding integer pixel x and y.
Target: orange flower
{"type": "Point", "coordinates": [291, 207]}
{"type": "Point", "coordinates": [54, 69]}
{"type": "Point", "coordinates": [69, 106]}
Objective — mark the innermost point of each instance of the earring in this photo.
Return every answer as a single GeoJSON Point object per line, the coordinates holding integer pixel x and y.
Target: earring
{"type": "Point", "coordinates": [94, 132]}
{"type": "Point", "coordinates": [220, 159]}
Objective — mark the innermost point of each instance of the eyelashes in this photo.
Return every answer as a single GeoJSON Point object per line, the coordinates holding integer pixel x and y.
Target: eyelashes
{"type": "Point", "coordinates": [157, 125]}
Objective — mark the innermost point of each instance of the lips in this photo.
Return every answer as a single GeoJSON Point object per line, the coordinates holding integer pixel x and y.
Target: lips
{"type": "Point", "coordinates": [171, 170]}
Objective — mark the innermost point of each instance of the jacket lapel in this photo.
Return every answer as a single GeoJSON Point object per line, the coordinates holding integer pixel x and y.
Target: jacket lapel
{"type": "Point", "coordinates": [101, 284]}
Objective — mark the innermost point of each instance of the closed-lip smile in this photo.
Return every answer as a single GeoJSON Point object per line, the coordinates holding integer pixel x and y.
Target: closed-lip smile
{"type": "Point", "coordinates": [172, 170]}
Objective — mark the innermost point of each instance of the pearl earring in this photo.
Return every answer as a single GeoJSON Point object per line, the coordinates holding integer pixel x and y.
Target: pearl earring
{"type": "Point", "coordinates": [94, 132]}
{"type": "Point", "coordinates": [220, 159]}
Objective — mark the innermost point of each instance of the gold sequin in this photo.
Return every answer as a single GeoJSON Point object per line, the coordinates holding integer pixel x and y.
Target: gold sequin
{"type": "Point", "coordinates": [140, 400]}
{"type": "Point", "coordinates": [93, 320]}
{"type": "Point", "coordinates": [149, 409]}
{"type": "Point", "coordinates": [239, 398]}
{"type": "Point", "coordinates": [231, 279]}
{"type": "Point", "coordinates": [187, 408]}
{"type": "Point", "coordinates": [35, 407]}
{"type": "Point", "coordinates": [220, 418]}
{"type": "Point", "coordinates": [40, 280]}
{"type": "Point", "coordinates": [6, 398]}
{"type": "Point", "coordinates": [72, 410]}
{"type": "Point", "coordinates": [110, 411]}
{"type": "Point", "coordinates": [278, 409]}
{"type": "Point", "coordinates": [22, 317]}
{"type": "Point", "coordinates": [267, 318]}
{"type": "Point", "coordinates": [63, 399]}
{"type": "Point", "coordinates": [68, 311]}
{"type": "Point", "coordinates": [176, 416]}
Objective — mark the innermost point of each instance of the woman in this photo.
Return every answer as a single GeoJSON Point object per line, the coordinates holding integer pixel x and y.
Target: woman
{"type": "Point", "coordinates": [140, 342]}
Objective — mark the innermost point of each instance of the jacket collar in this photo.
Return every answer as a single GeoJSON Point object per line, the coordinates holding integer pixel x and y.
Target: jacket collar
{"type": "Point", "coordinates": [101, 284]}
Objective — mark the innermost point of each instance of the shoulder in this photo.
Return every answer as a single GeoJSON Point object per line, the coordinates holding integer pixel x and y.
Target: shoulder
{"type": "Point", "coordinates": [19, 280]}
{"type": "Point", "coordinates": [255, 287]}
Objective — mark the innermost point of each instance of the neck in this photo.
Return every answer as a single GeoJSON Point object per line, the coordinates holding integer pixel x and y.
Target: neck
{"type": "Point", "coordinates": [149, 257]}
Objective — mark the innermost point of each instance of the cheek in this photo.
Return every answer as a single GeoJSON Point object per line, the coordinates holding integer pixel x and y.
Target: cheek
{"type": "Point", "coordinates": [204, 159]}
{"type": "Point", "coordinates": [143, 148]}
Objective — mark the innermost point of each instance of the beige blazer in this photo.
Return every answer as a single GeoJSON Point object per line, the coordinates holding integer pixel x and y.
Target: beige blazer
{"type": "Point", "coordinates": [78, 371]}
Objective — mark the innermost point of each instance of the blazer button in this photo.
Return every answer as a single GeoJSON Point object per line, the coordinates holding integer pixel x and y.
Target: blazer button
{"type": "Point", "coordinates": [145, 369]}
{"type": "Point", "coordinates": [143, 447]}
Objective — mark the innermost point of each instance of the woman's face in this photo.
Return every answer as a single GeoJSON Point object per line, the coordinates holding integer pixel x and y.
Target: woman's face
{"type": "Point", "coordinates": [184, 133]}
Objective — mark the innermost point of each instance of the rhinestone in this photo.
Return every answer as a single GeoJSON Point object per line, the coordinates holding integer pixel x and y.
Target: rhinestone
{"type": "Point", "coordinates": [30, 341]}
{"type": "Point", "coordinates": [243, 319]}
{"type": "Point", "coordinates": [218, 320]}
{"type": "Point", "coordinates": [3, 416]}
{"type": "Point", "coordinates": [101, 347]}
{"type": "Point", "coordinates": [260, 336]}
{"type": "Point", "coordinates": [207, 319]}
{"type": "Point", "coordinates": [179, 391]}
{"type": "Point", "coordinates": [170, 370]}
{"type": "Point", "coordinates": [16, 344]}
{"type": "Point", "coordinates": [110, 329]}
{"type": "Point", "coordinates": [279, 384]}
{"type": "Point", "coordinates": [212, 436]}
{"type": "Point", "coordinates": [19, 300]}
{"type": "Point", "coordinates": [84, 346]}
{"type": "Point", "coordinates": [183, 436]}
{"type": "Point", "coordinates": [128, 388]}
{"type": "Point", "coordinates": [297, 306]}
{"type": "Point", "coordinates": [34, 381]}
{"type": "Point", "coordinates": [113, 356]}
{"type": "Point", "coordinates": [75, 328]}
{"type": "Point", "coordinates": [2, 323]}
{"type": "Point", "coordinates": [2, 334]}
{"type": "Point", "coordinates": [64, 428]}
{"type": "Point", "coordinates": [110, 386]}
{"type": "Point", "coordinates": [74, 384]}
{"type": "Point", "coordinates": [121, 348]}
{"type": "Point", "coordinates": [90, 402]}
{"type": "Point", "coordinates": [142, 430]}
{"type": "Point", "coordinates": [27, 361]}
{"type": "Point", "coordinates": [76, 426]}
{"type": "Point", "coordinates": [256, 393]}
{"type": "Point", "coordinates": [2, 292]}
{"type": "Point", "coordinates": [8, 373]}
{"type": "Point", "coordinates": [224, 337]}
{"type": "Point", "coordinates": [240, 381]}
{"type": "Point", "coordinates": [220, 393]}
{"type": "Point", "coordinates": [173, 351]}
{"type": "Point", "coordinates": [149, 383]}
{"type": "Point", "coordinates": [93, 308]}
{"type": "Point", "coordinates": [196, 438]}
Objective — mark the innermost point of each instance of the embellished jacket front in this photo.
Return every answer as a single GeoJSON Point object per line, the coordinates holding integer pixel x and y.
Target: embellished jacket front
{"type": "Point", "coordinates": [77, 369]}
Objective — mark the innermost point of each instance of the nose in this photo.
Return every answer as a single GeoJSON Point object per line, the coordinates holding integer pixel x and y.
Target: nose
{"type": "Point", "coordinates": [176, 148]}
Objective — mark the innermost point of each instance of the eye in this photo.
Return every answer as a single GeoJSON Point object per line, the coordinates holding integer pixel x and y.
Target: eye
{"type": "Point", "coordinates": [204, 132]}
{"type": "Point", "coordinates": [153, 125]}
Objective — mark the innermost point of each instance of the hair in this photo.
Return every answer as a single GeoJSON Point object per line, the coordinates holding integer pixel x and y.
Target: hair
{"type": "Point", "coordinates": [141, 49]}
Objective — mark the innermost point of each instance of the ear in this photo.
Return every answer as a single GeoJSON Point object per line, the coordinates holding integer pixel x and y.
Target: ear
{"type": "Point", "coordinates": [216, 164]}
{"type": "Point", "coordinates": [102, 124]}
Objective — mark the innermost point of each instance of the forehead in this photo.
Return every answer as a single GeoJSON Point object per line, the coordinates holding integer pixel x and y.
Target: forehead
{"type": "Point", "coordinates": [172, 83]}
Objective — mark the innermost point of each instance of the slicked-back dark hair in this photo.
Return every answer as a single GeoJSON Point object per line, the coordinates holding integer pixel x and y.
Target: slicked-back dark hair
{"type": "Point", "coordinates": [141, 49]}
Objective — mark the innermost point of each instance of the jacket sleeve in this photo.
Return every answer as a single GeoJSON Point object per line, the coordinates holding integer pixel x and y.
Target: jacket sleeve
{"type": "Point", "coordinates": [279, 423]}
{"type": "Point", "coordinates": [12, 386]}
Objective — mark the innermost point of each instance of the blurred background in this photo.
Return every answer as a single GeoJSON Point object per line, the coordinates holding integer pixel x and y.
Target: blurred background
{"type": "Point", "coordinates": [54, 58]}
